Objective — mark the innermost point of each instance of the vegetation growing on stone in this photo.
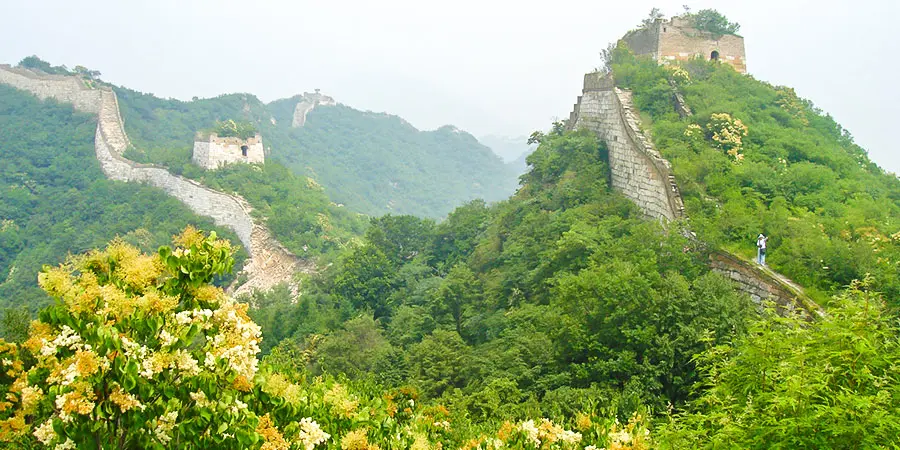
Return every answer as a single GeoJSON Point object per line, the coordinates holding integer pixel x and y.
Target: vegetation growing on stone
{"type": "Point", "coordinates": [232, 128]}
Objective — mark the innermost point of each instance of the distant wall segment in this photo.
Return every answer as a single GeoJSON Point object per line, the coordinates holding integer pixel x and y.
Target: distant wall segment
{"type": "Point", "coordinates": [270, 263]}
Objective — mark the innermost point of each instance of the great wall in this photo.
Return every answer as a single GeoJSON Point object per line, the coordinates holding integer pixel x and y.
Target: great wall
{"type": "Point", "coordinates": [269, 264]}
{"type": "Point", "coordinates": [640, 173]}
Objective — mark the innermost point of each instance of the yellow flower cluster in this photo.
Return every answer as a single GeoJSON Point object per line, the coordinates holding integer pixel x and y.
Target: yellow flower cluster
{"type": "Point", "coordinates": [727, 133]}
{"type": "Point", "coordinates": [340, 401]}
{"type": "Point", "coordinates": [631, 436]}
{"type": "Point", "coordinates": [357, 440]}
{"type": "Point", "coordinates": [124, 400]}
{"type": "Point", "coordinates": [678, 74]}
{"type": "Point", "coordinates": [273, 438]}
{"type": "Point", "coordinates": [693, 130]}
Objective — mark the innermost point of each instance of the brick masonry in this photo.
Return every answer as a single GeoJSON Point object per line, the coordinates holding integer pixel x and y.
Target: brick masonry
{"type": "Point", "coordinates": [270, 263]}
{"type": "Point", "coordinates": [677, 40]}
{"type": "Point", "coordinates": [213, 152]}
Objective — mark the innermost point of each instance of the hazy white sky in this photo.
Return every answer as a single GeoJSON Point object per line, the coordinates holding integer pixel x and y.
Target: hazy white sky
{"type": "Point", "coordinates": [487, 66]}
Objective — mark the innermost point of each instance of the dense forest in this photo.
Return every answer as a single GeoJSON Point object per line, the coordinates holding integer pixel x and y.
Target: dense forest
{"type": "Point", "coordinates": [559, 318]}
{"type": "Point", "coordinates": [372, 163]}
{"type": "Point", "coordinates": [54, 200]}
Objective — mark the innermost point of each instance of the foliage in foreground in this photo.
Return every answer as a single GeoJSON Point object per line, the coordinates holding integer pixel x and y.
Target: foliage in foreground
{"type": "Point", "coordinates": [140, 351]}
{"type": "Point", "coordinates": [834, 383]}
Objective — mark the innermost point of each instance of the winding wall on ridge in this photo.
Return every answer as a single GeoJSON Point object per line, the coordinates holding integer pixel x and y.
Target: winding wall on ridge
{"type": "Point", "coordinates": [269, 264]}
{"type": "Point", "coordinates": [641, 174]}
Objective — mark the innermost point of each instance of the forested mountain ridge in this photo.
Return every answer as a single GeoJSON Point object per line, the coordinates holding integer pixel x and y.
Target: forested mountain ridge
{"type": "Point", "coordinates": [373, 163]}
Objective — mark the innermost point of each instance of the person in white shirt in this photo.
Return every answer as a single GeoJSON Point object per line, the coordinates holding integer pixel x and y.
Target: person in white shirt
{"type": "Point", "coordinates": [761, 249]}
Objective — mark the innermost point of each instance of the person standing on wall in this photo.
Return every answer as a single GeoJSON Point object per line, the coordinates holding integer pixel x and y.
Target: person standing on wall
{"type": "Point", "coordinates": [761, 249]}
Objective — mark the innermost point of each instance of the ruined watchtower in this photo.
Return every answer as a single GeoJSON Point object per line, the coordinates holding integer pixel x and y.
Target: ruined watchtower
{"type": "Point", "coordinates": [678, 40]}
{"type": "Point", "coordinates": [212, 151]}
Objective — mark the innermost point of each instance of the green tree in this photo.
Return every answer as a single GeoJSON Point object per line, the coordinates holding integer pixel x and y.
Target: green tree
{"type": "Point", "coordinates": [714, 22]}
{"type": "Point", "coordinates": [831, 383]}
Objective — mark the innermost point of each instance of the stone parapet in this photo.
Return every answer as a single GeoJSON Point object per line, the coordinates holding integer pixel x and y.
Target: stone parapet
{"type": "Point", "coordinates": [764, 285]}
{"type": "Point", "coordinates": [638, 171]}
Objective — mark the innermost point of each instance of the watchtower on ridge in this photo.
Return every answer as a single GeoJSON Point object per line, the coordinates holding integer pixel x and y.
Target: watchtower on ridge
{"type": "Point", "coordinates": [678, 40]}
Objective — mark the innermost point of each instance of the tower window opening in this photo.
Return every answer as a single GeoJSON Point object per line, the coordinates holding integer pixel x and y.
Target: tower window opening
{"type": "Point", "coordinates": [714, 56]}
{"type": "Point", "coordinates": [244, 149]}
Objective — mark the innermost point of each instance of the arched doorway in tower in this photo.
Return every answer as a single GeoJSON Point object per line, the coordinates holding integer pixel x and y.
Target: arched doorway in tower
{"type": "Point", "coordinates": [714, 56]}
{"type": "Point", "coordinates": [244, 149]}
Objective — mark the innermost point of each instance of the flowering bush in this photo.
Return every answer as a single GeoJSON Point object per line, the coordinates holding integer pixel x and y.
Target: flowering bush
{"type": "Point", "coordinates": [727, 133]}
{"type": "Point", "coordinates": [679, 75]}
{"type": "Point", "coordinates": [140, 351]}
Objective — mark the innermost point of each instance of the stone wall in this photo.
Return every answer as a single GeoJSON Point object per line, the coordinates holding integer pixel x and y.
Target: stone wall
{"type": "Point", "coordinates": [306, 104]}
{"type": "Point", "coordinates": [637, 169]}
{"type": "Point", "coordinates": [65, 89]}
{"type": "Point", "coordinates": [213, 152]}
{"type": "Point", "coordinates": [764, 285]}
{"type": "Point", "coordinates": [270, 263]}
{"type": "Point", "coordinates": [677, 40]}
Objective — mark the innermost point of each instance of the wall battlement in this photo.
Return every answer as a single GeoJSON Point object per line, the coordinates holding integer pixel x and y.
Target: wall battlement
{"type": "Point", "coordinates": [677, 40]}
{"type": "Point", "coordinates": [270, 263]}
{"type": "Point", "coordinates": [638, 170]}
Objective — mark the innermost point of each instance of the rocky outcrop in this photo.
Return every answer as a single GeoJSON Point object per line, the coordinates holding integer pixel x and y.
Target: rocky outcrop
{"type": "Point", "coordinates": [306, 104]}
{"type": "Point", "coordinates": [269, 264]}
{"type": "Point", "coordinates": [640, 173]}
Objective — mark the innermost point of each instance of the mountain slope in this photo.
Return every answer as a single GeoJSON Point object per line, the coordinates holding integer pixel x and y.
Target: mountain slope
{"type": "Point", "coordinates": [373, 163]}
{"type": "Point", "coordinates": [55, 200]}
{"type": "Point", "coordinates": [754, 158]}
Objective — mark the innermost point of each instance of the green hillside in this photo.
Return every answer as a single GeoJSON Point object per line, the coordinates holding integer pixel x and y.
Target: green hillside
{"type": "Point", "coordinates": [54, 200]}
{"type": "Point", "coordinates": [788, 170]}
{"type": "Point", "coordinates": [372, 163]}
{"type": "Point", "coordinates": [559, 318]}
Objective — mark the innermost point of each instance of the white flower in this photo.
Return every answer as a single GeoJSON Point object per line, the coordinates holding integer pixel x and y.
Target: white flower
{"type": "Point", "coordinates": [166, 339]}
{"type": "Point", "coordinates": [311, 434]}
{"type": "Point", "coordinates": [68, 445]}
{"type": "Point", "coordinates": [45, 433]}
